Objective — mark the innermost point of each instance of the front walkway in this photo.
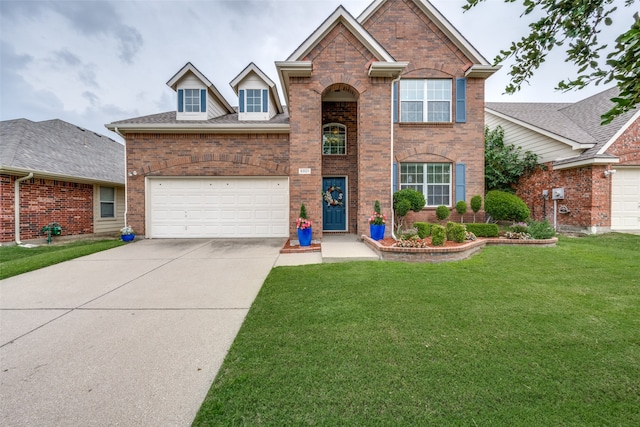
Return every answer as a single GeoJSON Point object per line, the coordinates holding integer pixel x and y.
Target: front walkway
{"type": "Point", "coordinates": [335, 248]}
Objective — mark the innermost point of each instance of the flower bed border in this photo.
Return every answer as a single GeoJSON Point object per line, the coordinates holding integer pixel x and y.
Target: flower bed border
{"type": "Point", "coordinates": [446, 254]}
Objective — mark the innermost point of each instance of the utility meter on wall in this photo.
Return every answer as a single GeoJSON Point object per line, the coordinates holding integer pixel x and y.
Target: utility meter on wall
{"type": "Point", "coordinates": [557, 194]}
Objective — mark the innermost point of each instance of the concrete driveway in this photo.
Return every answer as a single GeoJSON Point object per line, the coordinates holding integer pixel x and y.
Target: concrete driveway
{"type": "Point", "coordinates": [132, 336]}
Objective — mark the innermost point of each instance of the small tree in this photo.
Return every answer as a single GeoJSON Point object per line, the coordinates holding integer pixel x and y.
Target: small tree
{"type": "Point", "coordinates": [404, 201]}
{"type": "Point", "coordinates": [442, 212]}
{"type": "Point", "coordinates": [461, 208]}
{"type": "Point", "coordinates": [303, 212]}
{"type": "Point", "coordinates": [504, 164]}
{"type": "Point", "coordinates": [376, 206]}
{"type": "Point", "coordinates": [476, 204]}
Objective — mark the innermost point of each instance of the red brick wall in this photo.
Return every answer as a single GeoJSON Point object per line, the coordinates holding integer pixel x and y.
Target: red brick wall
{"type": "Point", "coordinates": [408, 35]}
{"type": "Point", "coordinates": [627, 146]}
{"type": "Point", "coordinates": [199, 155]}
{"type": "Point", "coordinates": [43, 201]}
{"type": "Point", "coordinates": [345, 113]}
{"type": "Point", "coordinates": [587, 196]}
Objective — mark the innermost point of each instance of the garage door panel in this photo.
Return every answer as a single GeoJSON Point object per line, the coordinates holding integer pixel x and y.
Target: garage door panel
{"type": "Point", "coordinates": [625, 199]}
{"type": "Point", "coordinates": [219, 207]}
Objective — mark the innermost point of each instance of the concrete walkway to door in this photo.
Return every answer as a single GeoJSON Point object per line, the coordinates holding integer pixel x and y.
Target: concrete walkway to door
{"type": "Point", "coordinates": [132, 336]}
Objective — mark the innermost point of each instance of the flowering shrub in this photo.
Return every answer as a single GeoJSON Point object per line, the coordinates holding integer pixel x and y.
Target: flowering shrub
{"type": "Point", "coordinates": [126, 230]}
{"type": "Point", "coordinates": [377, 219]}
{"type": "Point", "coordinates": [519, 227]}
{"type": "Point", "coordinates": [303, 223]}
{"type": "Point", "coordinates": [412, 242]}
{"type": "Point", "coordinates": [517, 235]}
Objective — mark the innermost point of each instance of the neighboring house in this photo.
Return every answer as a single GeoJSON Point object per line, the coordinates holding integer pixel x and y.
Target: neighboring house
{"type": "Point", "coordinates": [61, 173]}
{"type": "Point", "coordinates": [390, 100]}
{"type": "Point", "coordinates": [596, 166]}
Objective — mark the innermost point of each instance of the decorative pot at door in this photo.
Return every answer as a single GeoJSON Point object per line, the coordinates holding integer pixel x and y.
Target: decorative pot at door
{"type": "Point", "coordinates": [128, 237]}
{"type": "Point", "coordinates": [304, 236]}
{"type": "Point", "coordinates": [376, 231]}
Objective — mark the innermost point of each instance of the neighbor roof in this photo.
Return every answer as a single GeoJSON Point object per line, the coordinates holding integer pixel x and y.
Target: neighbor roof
{"type": "Point", "coordinates": [577, 124]}
{"type": "Point", "coordinates": [57, 149]}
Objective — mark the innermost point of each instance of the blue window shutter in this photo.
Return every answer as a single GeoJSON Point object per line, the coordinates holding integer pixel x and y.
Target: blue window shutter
{"type": "Point", "coordinates": [265, 100]}
{"type": "Point", "coordinates": [203, 100]}
{"type": "Point", "coordinates": [241, 96]}
{"type": "Point", "coordinates": [395, 177]}
{"type": "Point", "coordinates": [461, 182]}
{"type": "Point", "coordinates": [180, 100]}
{"type": "Point", "coordinates": [461, 100]}
{"type": "Point", "coordinates": [395, 102]}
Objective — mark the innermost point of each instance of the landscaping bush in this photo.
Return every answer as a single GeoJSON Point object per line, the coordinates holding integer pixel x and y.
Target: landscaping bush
{"type": "Point", "coordinates": [442, 212]}
{"type": "Point", "coordinates": [424, 229]}
{"type": "Point", "coordinates": [404, 201]}
{"type": "Point", "coordinates": [519, 227]}
{"type": "Point", "coordinates": [483, 230]}
{"type": "Point", "coordinates": [438, 235]}
{"type": "Point", "coordinates": [461, 208]}
{"type": "Point", "coordinates": [476, 204]}
{"type": "Point", "coordinates": [409, 233]}
{"type": "Point", "coordinates": [541, 230]}
{"type": "Point", "coordinates": [504, 206]}
{"type": "Point", "coordinates": [456, 232]}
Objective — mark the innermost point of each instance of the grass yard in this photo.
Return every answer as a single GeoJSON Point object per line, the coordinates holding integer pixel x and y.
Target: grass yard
{"type": "Point", "coordinates": [517, 336]}
{"type": "Point", "coordinates": [16, 260]}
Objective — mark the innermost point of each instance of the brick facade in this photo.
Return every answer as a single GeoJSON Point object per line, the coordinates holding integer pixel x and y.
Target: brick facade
{"type": "Point", "coordinates": [43, 201]}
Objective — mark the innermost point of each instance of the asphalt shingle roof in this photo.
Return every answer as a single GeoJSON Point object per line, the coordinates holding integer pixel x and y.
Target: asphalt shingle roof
{"type": "Point", "coordinates": [61, 148]}
{"type": "Point", "coordinates": [579, 121]}
{"type": "Point", "coordinates": [170, 118]}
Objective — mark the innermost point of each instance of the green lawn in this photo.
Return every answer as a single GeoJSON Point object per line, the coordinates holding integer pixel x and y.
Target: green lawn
{"type": "Point", "coordinates": [514, 336]}
{"type": "Point", "coordinates": [16, 260]}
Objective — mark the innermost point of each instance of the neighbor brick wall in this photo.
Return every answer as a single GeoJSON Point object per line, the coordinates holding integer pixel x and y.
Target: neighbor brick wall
{"type": "Point", "coordinates": [199, 155]}
{"type": "Point", "coordinates": [43, 201]}
{"type": "Point", "coordinates": [587, 196]}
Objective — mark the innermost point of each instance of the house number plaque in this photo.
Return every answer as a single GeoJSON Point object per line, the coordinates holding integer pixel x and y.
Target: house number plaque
{"type": "Point", "coordinates": [304, 171]}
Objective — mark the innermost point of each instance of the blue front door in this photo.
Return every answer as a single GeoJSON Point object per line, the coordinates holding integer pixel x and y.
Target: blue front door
{"type": "Point", "coordinates": [334, 206]}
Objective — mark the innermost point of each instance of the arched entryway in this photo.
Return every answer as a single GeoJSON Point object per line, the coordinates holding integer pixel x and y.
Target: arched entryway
{"type": "Point", "coordinates": [339, 134]}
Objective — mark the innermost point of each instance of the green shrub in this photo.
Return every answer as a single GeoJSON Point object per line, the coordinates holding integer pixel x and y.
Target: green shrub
{"type": "Point", "coordinates": [457, 232]}
{"type": "Point", "coordinates": [476, 204]}
{"type": "Point", "coordinates": [303, 212]}
{"type": "Point", "coordinates": [483, 230]}
{"type": "Point", "coordinates": [504, 206]}
{"type": "Point", "coordinates": [541, 230]}
{"type": "Point", "coordinates": [442, 212]}
{"type": "Point", "coordinates": [438, 235]}
{"type": "Point", "coordinates": [424, 229]}
{"type": "Point", "coordinates": [404, 201]}
{"type": "Point", "coordinates": [519, 227]}
{"type": "Point", "coordinates": [448, 228]}
{"type": "Point", "coordinates": [461, 208]}
{"type": "Point", "coordinates": [409, 233]}
{"type": "Point", "coordinates": [376, 206]}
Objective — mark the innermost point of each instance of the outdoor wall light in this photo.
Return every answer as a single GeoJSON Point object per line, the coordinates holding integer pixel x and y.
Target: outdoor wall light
{"type": "Point", "coordinates": [609, 172]}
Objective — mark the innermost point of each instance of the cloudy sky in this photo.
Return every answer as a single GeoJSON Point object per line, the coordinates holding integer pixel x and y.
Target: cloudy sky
{"type": "Point", "coordinates": [93, 62]}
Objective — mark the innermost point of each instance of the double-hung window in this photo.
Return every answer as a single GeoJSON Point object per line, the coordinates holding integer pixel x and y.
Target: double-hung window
{"type": "Point", "coordinates": [425, 100]}
{"type": "Point", "coordinates": [192, 100]}
{"type": "Point", "coordinates": [107, 202]}
{"type": "Point", "coordinates": [254, 101]}
{"type": "Point", "coordinates": [431, 179]}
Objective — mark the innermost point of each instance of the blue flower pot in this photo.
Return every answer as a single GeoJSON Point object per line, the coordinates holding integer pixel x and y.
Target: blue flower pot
{"type": "Point", "coordinates": [128, 237]}
{"type": "Point", "coordinates": [376, 231]}
{"type": "Point", "coordinates": [304, 236]}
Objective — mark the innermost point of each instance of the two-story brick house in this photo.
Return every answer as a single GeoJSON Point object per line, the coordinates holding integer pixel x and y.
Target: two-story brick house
{"type": "Point", "coordinates": [392, 99]}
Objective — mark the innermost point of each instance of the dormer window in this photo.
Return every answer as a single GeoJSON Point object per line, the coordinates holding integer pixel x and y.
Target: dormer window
{"type": "Point", "coordinates": [254, 101]}
{"type": "Point", "coordinates": [192, 100]}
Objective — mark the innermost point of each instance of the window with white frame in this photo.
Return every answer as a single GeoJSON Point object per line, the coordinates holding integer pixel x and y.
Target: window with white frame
{"type": "Point", "coordinates": [334, 139]}
{"type": "Point", "coordinates": [107, 202]}
{"type": "Point", "coordinates": [254, 101]}
{"type": "Point", "coordinates": [192, 100]}
{"type": "Point", "coordinates": [431, 179]}
{"type": "Point", "coordinates": [425, 100]}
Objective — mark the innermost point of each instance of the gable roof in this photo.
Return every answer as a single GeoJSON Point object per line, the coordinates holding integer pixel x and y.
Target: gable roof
{"type": "Point", "coordinates": [57, 149]}
{"type": "Point", "coordinates": [480, 68]}
{"type": "Point", "coordinates": [296, 66]}
{"type": "Point", "coordinates": [253, 68]}
{"type": "Point", "coordinates": [576, 124]}
{"type": "Point", "coordinates": [190, 68]}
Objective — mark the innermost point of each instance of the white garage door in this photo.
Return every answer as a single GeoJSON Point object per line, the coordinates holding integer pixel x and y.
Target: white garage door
{"type": "Point", "coordinates": [218, 207]}
{"type": "Point", "coordinates": [625, 199]}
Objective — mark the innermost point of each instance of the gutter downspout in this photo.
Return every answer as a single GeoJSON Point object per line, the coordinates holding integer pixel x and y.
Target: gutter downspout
{"type": "Point", "coordinates": [393, 226]}
{"type": "Point", "coordinates": [126, 177]}
{"type": "Point", "coordinates": [16, 205]}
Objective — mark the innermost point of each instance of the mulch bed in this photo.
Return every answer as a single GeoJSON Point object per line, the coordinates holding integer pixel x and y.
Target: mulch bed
{"type": "Point", "coordinates": [290, 249]}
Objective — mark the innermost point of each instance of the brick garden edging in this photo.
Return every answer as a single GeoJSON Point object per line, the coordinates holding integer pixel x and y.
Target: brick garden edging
{"type": "Point", "coordinates": [445, 254]}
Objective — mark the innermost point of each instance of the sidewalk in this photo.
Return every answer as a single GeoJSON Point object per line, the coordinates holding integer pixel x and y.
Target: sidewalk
{"type": "Point", "coordinates": [335, 248]}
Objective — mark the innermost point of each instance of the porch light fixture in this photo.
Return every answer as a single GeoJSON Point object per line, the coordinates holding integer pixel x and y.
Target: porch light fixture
{"type": "Point", "coordinates": [609, 172]}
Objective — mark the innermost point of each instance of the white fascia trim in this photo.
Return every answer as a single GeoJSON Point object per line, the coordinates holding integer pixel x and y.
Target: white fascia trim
{"type": "Point", "coordinates": [441, 22]}
{"type": "Point", "coordinates": [188, 67]}
{"type": "Point", "coordinates": [341, 15]}
{"type": "Point", "coordinates": [387, 69]}
{"type": "Point", "coordinates": [573, 144]}
{"type": "Point", "coordinates": [288, 69]}
{"type": "Point", "coordinates": [199, 128]}
{"type": "Point", "coordinates": [617, 135]}
{"type": "Point", "coordinates": [585, 162]}
{"type": "Point", "coordinates": [481, 71]}
{"type": "Point", "coordinates": [57, 176]}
